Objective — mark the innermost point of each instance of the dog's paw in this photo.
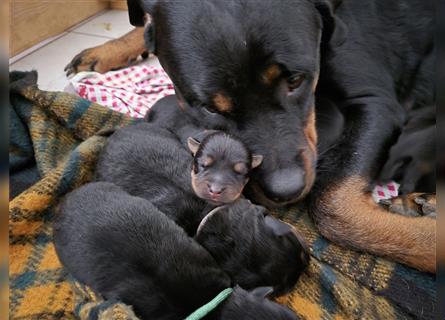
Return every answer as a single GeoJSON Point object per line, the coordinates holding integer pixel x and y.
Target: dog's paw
{"type": "Point", "coordinates": [84, 61]}
{"type": "Point", "coordinates": [413, 204]}
{"type": "Point", "coordinates": [111, 55]}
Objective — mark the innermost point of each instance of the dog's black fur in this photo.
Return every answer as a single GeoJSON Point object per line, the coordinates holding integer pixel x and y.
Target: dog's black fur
{"type": "Point", "coordinates": [150, 162]}
{"type": "Point", "coordinates": [250, 68]}
{"type": "Point", "coordinates": [124, 248]}
{"type": "Point", "coordinates": [412, 159]}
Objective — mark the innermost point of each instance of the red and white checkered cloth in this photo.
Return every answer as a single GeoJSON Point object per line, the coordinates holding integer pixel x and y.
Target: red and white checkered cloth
{"type": "Point", "coordinates": [387, 191]}
{"type": "Point", "coordinates": [133, 90]}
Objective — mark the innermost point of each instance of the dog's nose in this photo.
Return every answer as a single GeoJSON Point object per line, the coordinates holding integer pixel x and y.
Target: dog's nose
{"type": "Point", "coordinates": [215, 189]}
{"type": "Point", "coordinates": [284, 185]}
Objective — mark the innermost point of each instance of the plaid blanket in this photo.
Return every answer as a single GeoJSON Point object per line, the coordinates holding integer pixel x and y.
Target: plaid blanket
{"type": "Point", "coordinates": [63, 135]}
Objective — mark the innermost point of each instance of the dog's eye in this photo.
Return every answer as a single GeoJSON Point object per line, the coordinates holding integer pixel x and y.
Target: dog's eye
{"type": "Point", "coordinates": [294, 81]}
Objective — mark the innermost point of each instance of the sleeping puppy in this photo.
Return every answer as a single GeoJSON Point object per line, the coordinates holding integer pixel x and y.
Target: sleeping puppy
{"type": "Point", "coordinates": [124, 248]}
{"type": "Point", "coordinates": [150, 162]}
{"type": "Point", "coordinates": [254, 248]}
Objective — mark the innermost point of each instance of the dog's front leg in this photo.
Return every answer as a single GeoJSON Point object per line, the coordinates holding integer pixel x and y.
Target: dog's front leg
{"type": "Point", "coordinates": [113, 54]}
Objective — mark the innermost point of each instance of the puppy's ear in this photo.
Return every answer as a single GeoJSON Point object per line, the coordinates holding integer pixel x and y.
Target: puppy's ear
{"type": "Point", "coordinates": [193, 145]}
{"type": "Point", "coordinates": [257, 159]}
{"type": "Point", "coordinates": [334, 30]}
{"type": "Point", "coordinates": [261, 292]}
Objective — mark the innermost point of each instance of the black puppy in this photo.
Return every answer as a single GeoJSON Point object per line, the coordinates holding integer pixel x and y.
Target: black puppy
{"type": "Point", "coordinates": [124, 248]}
{"type": "Point", "coordinates": [221, 164]}
{"type": "Point", "coordinates": [149, 162]}
{"type": "Point", "coordinates": [254, 248]}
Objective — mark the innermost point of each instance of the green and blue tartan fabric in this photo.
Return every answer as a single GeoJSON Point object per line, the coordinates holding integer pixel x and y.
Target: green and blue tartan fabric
{"type": "Point", "coordinates": [64, 134]}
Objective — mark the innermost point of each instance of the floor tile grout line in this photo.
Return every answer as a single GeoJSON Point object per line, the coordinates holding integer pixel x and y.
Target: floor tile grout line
{"type": "Point", "coordinates": [92, 34]}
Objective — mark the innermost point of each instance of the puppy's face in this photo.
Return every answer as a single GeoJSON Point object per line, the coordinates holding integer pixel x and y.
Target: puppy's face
{"type": "Point", "coordinates": [249, 68]}
{"type": "Point", "coordinates": [221, 167]}
{"type": "Point", "coordinates": [254, 248]}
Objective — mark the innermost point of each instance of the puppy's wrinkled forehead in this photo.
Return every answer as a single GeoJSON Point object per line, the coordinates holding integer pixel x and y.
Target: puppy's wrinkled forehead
{"type": "Point", "coordinates": [223, 146]}
{"type": "Point", "coordinates": [236, 45]}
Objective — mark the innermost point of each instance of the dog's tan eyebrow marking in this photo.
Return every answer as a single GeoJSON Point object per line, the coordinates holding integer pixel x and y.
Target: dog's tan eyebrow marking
{"type": "Point", "coordinates": [222, 102]}
{"type": "Point", "coordinates": [271, 73]}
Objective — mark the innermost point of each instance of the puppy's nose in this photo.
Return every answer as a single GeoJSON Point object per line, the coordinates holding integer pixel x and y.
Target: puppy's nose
{"type": "Point", "coordinates": [284, 185]}
{"type": "Point", "coordinates": [215, 189]}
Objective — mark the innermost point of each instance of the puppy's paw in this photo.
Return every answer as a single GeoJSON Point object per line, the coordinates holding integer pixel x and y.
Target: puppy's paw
{"type": "Point", "coordinates": [413, 205]}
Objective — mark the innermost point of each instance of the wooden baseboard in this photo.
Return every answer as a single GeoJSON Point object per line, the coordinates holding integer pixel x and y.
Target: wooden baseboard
{"type": "Point", "coordinates": [34, 21]}
{"type": "Point", "coordinates": [118, 4]}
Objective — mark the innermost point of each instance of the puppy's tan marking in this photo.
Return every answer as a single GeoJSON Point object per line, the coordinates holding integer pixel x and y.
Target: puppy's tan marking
{"type": "Point", "coordinates": [208, 161]}
{"type": "Point", "coordinates": [347, 215]}
{"type": "Point", "coordinates": [222, 102]}
{"type": "Point", "coordinates": [271, 74]}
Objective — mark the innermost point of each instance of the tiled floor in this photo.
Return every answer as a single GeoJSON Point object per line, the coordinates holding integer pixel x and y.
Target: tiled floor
{"type": "Point", "coordinates": [50, 59]}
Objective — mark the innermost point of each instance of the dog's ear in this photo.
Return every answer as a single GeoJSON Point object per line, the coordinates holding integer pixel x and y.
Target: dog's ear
{"type": "Point", "coordinates": [136, 13]}
{"type": "Point", "coordinates": [193, 145]}
{"type": "Point", "coordinates": [257, 159]}
{"type": "Point", "coordinates": [137, 10]}
{"type": "Point", "coordinates": [334, 30]}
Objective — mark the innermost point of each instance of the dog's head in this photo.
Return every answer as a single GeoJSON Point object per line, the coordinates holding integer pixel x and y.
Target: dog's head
{"type": "Point", "coordinates": [254, 248]}
{"type": "Point", "coordinates": [250, 68]}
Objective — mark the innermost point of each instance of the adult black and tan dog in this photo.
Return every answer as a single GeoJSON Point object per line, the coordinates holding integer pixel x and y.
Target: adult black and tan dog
{"type": "Point", "coordinates": [256, 69]}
